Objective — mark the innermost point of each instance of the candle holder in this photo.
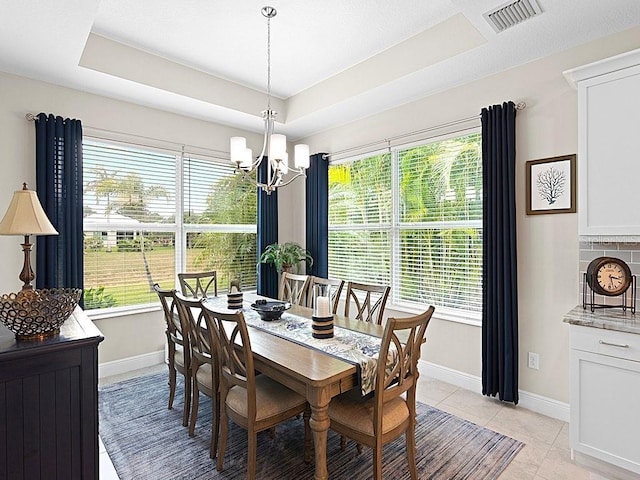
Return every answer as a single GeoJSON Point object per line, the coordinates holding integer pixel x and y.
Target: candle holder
{"type": "Point", "coordinates": [234, 297]}
{"type": "Point", "coordinates": [322, 318]}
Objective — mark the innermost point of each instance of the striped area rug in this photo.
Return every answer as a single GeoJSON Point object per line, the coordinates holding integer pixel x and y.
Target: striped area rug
{"type": "Point", "coordinates": [145, 440]}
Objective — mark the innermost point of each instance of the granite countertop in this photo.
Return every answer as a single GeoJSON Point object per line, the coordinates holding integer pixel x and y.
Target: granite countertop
{"type": "Point", "coordinates": [605, 318]}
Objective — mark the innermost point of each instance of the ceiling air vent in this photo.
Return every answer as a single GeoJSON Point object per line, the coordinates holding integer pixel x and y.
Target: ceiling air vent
{"type": "Point", "coordinates": [512, 13]}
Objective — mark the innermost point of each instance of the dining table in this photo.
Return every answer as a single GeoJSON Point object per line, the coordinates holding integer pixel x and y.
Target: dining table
{"type": "Point", "coordinates": [306, 369]}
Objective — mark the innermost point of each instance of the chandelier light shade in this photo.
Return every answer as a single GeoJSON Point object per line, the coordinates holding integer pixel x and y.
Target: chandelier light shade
{"type": "Point", "coordinates": [25, 216]}
{"type": "Point", "coordinates": [274, 145]}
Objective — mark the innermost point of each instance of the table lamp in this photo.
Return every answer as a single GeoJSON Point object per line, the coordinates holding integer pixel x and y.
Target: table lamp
{"type": "Point", "coordinates": [33, 314]}
{"type": "Point", "coordinates": [25, 216]}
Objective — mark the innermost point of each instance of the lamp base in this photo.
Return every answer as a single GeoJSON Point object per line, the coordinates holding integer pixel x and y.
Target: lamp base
{"type": "Point", "coordinates": [26, 275]}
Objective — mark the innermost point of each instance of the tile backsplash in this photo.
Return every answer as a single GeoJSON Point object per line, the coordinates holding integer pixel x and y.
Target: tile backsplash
{"type": "Point", "coordinates": [627, 251]}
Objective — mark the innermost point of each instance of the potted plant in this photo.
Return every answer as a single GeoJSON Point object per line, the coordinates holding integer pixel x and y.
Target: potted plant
{"type": "Point", "coordinates": [283, 256]}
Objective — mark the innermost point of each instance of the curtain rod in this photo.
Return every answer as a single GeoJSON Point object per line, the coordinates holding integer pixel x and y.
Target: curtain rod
{"type": "Point", "coordinates": [185, 148]}
{"type": "Point", "coordinates": [519, 106]}
{"type": "Point", "coordinates": [387, 141]}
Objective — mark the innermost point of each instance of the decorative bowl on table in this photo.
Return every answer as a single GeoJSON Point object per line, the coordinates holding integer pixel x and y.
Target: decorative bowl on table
{"type": "Point", "coordinates": [37, 314]}
{"type": "Point", "coordinates": [270, 310]}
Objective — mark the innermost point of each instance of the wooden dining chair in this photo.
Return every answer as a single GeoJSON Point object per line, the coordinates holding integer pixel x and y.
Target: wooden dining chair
{"type": "Point", "coordinates": [199, 284]}
{"type": "Point", "coordinates": [204, 365]}
{"type": "Point", "coordinates": [255, 403]}
{"type": "Point", "coordinates": [392, 409]}
{"type": "Point", "coordinates": [336, 291]}
{"type": "Point", "coordinates": [179, 350]}
{"type": "Point", "coordinates": [293, 288]}
{"type": "Point", "coordinates": [369, 300]}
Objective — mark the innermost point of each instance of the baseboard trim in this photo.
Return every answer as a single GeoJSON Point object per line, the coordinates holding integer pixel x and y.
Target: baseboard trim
{"type": "Point", "coordinates": [544, 405]}
{"type": "Point", "coordinates": [128, 364]}
{"type": "Point", "coordinates": [449, 375]}
{"type": "Point", "coordinates": [531, 401]}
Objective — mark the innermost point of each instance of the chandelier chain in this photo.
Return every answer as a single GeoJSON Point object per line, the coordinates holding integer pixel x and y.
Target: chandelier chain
{"type": "Point", "coordinates": [269, 63]}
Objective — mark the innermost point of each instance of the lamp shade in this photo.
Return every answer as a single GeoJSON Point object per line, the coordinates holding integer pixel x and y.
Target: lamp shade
{"type": "Point", "coordinates": [238, 148]}
{"type": "Point", "coordinates": [301, 156]}
{"type": "Point", "coordinates": [278, 146]}
{"type": "Point", "coordinates": [247, 160]}
{"type": "Point", "coordinates": [25, 216]}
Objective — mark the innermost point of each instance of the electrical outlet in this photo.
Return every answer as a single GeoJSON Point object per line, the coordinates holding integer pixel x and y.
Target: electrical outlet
{"type": "Point", "coordinates": [534, 361]}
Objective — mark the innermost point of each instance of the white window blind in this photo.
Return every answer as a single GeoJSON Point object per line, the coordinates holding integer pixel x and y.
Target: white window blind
{"type": "Point", "coordinates": [139, 230]}
{"type": "Point", "coordinates": [129, 226]}
{"type": "Point", "coordinates": [429, 246]}
{"type": "Point", "coordinates": [220, 222]}
{"type": "Point", "coordinates": [360, 220]}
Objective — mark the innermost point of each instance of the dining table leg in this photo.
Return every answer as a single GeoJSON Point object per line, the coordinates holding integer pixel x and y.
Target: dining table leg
{"type": "Point", "coordinates": [319, 423]}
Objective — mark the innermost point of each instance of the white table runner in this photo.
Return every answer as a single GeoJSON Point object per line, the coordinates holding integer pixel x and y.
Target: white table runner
{"type": "Point", "coordinates": [354, 347]}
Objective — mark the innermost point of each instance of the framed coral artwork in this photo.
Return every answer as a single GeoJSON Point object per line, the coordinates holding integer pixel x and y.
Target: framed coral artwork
{"type": "Point", "coordinates": [551, 185]}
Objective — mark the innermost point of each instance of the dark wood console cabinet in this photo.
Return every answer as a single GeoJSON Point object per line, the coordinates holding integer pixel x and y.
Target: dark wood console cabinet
{"type": "Point", "coordinates": [49, 404]}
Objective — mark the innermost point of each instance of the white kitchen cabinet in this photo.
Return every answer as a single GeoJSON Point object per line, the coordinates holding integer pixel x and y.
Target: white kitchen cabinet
{"type": "Point", "coordinates": [605, 395]}
{"type": "Point", "coordinates": [608, 134]}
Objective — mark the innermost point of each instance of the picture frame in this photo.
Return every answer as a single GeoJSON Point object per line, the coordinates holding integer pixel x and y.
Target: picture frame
{"type": "Point", "coordinates": [551, 185]}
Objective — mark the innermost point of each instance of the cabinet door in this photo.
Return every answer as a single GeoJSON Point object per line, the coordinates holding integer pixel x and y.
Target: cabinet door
{"type": "Point", "coordinates": [605, 417]}
{"type": "Point", "coordinates": [608, 166]}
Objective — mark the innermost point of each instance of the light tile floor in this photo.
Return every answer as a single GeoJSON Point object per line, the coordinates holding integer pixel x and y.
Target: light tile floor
{"type": "Point", "coordinates": [545, 456]}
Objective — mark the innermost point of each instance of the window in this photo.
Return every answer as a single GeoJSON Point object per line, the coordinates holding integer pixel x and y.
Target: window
{"type": "Point", "coordinates": [360, 220]}
{"type": "Point", "coordinates": [139, 230]}
{"type": "Point", "coordinates": [220, 212]}
{"type": "Point", "coordinates": [412, 219]}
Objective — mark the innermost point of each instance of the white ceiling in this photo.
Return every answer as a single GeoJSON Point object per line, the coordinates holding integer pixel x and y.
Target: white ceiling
{"type": "Point", "coordinates": [331, 59]}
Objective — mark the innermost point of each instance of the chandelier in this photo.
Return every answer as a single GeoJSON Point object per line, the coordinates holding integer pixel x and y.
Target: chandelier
{"type": "Point", "coordinates": [274, 145]}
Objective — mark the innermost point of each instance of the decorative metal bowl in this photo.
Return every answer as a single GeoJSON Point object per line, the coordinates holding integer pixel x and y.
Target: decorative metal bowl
{"type": "Point", "coordinates": [270, 311]}
{"type": "Point", "coordinates": [37, 314]}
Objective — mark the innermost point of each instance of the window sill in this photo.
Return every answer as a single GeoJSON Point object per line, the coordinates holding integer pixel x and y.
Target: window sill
{"type": "Point", "coordinates": [105, 313]}
{"type": "Point", "coordinates": [440, 314]}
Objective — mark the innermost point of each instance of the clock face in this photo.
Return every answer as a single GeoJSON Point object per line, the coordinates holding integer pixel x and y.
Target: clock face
{"type": "Point", "coordinates": [609, 276]}
{"type": "Point", "coordinates": [612, 278]}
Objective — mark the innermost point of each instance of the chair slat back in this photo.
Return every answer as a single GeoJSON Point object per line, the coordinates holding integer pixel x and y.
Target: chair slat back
{"type": "Point", "coordinates": [176, 331]}
{"type": "Point", "coordinates": [190, 312]}
{"type": "Point", "coordinates": [403, 376]}
{"type": "Point", "coordinates": [370, 301]}
{"type": "Point", "coordinates": [293, 288]}
{"type": "Point", "coordinates": [199, 284]}
{"type": "Point", "coordinates": [168, 306]}
{"type": "Point", "coordinates": [234, 353]}
{"type": "Point", "coordinates": [336, 291]}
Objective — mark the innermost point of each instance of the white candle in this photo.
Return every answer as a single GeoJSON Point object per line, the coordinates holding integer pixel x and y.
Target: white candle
{"type": "Point", "coordinates": [322, 307]}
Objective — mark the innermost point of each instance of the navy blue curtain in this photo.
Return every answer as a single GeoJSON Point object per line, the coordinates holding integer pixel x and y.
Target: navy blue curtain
{"type": "Point", "coordinates": [499, 276]}
{"type": "Point", "coordinates": [267, 234]}
{"type": "Point", "coordinates": [59, 258]}
{"type": "Point", "coordinates": [317, 214]}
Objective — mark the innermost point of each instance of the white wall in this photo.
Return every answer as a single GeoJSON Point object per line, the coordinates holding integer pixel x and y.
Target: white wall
{"type": "Point", "coordinates": [547, 244]}
{"type": "Point", "coordinates": [125, 336]}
